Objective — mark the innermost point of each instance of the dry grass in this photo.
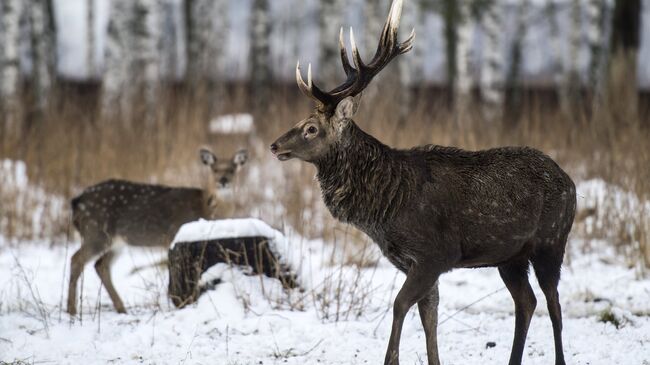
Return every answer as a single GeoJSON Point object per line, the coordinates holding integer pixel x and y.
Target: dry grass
{"type": "Point", "coordinates": [73, 148]}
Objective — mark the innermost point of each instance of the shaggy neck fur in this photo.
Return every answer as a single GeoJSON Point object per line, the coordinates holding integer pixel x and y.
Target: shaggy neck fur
{"type": "Point", "coordinates": [362, 180]}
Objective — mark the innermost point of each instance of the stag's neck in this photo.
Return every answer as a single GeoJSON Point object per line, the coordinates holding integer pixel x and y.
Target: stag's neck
{"type": "Point", "coordinates": [363, 181]}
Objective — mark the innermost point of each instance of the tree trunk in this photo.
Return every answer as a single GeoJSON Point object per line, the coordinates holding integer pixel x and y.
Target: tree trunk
{"type": "Point", "coordinates": [491, 81]}
{"type": "Point", "coordinates": [145, 69]}
{"type": "Point", "coordinates": [557, 67]}
{"type": "Point", "coordinates": [463, 81]}
{"type": "Point", "coordinates": [10, 62]}
{"type": "Point", "coordinates": [513, 101]}
{"type": "Point", "coordinates": [116, 91]}
{"type": "Point", "coordinates": [91, 68]}
{"type": "Point", "coordinates": [260, 55]}
{"type": "Point", "coordinates": [596, 11]}
{"type": "Point", "coordinates": [330, 24]}
{"type": "Point", "coordinates": [570, 93]}
{"type": "Point", "coordinates": [43, 41]}
{"type": "Point", "coordinates": [622, 91]}
{"type": "Point", "coordinates": [410, 67]}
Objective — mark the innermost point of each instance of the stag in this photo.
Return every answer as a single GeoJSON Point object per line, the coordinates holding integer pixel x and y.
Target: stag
{"type": "Point", "coordinates": [432, 209]}
{"type": "Point", "coordinates": [116, 212]}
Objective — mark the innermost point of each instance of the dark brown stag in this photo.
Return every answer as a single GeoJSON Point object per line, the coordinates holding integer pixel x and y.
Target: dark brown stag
{"type": "Point", "coordinates": [432, 209]}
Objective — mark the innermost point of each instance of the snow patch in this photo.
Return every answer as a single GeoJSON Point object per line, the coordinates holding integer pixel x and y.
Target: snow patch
{"type": "Point", "coordinates": [232, 124]}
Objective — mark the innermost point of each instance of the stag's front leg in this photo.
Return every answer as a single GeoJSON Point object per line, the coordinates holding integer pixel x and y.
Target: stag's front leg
{"type": "Point", "coordinates": [419, 281]}
{"type": "Point", "coordinates": [428, 308]}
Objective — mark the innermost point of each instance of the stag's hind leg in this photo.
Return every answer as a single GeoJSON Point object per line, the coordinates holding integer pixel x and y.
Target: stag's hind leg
{"type": "Point", "coordinates": [547, 267]}
{"type": "Point", "coordinates": [515, 276]}
{"type": "Point", "coordinates": [103, 268]}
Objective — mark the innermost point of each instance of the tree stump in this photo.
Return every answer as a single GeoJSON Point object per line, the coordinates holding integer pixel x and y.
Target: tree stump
{"type": "Point", "coordinates": [188, 260]}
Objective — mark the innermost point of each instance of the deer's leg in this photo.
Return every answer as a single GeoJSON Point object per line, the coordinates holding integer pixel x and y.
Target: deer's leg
{"type": "Point", "coordinates": [418, 283]}
{"type": "Point", "coordinates": [515, 276]}
{"type": "Point", "coordinates": [428, 307]}
{"type": "Point", "coordinates": [103, 268]}
{"type": "Point", "coordinates": [548, 276]}
{"type": "Point", "coordinates": [77, 263]}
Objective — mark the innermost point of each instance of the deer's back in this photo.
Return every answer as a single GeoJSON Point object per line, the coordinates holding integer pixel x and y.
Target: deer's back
{"type": "Point", "coordinates": [480, 208]}
{"type": "Point", "coordinates": [141, 214]}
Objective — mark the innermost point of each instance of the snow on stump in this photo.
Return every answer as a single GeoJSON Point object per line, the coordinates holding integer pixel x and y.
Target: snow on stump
{"type": "Point", "coordinates": [249, 243]}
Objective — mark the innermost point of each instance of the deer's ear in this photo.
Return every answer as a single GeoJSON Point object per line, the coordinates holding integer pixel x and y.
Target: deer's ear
{"type": "Point", "coordinates": [207, 157]}
{"type": "Point", "coordinates": [240, 157]}
{"type": "Point", "coordinates": [347, 108]}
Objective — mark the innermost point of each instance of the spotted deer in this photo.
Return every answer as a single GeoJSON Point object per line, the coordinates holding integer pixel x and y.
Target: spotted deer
{"type": "Point", "coordinates": [119, 211]}
{"type": "Point", "coordinates": [432, 209]}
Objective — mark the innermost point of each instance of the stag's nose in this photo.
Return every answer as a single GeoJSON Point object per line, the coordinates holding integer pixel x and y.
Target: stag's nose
{"type": "Point", "coordinates": [274, 148]}
{"type": "Point", "coordinates": [223, 181]}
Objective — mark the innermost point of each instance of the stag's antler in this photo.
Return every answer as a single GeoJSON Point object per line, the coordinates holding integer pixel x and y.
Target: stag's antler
{"type": "Point", "coordinates": [359, 76]}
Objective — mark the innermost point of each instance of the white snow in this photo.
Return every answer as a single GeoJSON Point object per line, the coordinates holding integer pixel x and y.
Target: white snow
{"type": "Point", "coordinates": [232, 124]}
{"type": "Point", "coordinates": [342, 316]}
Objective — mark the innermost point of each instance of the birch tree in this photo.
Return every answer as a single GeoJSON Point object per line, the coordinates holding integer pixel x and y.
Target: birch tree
{"type": "Point", "coordinates": [491, 81]}
{"type": "Point", "coordinates": [571, 84]}
{"type": "Point", "coordinates": [145, 55]}
{"type": "Point", "coordinates": [260, 55]}
{"type": "Point", "coordinates": [90, 39]}
{"type": "Point", "coordinates": [43, 41]}
{"type": "Point", "coordinates": [330, 23]}
{"type": "Point", "coordinates": [198, 24]}
{"type": "Point", "coordinates": [513, 80]}
{"type": "Point", "coordinates": [557, 63]}
{"type": "Point", "coordinates": [410, 67]}
{"type": "Point", "coordinates": [463, 81]}
{"type": "Point", "coordinates": [596, 30]}
{"type": "Point", "coordinates": [10, 64]}
{"type": "Point", "coordinates": [622, 89]}
{"type": "Point", "coordinates": [115, 88]}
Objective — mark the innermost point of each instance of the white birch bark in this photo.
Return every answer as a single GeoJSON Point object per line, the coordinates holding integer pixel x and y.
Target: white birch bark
{"type": "Point", "coordinates": [116, 91]}
{"type": "Point", "coordinates": [491, 81]}
{"type": "Point", "coordinates": [595, 35]}
{"type": "Point", "coordinates": [330, 69]}
{"type": "Point", "coordinates": [9, 57]}
{"type": "Point", "coordinates": [463, 80]}
{"type": "Point", "coordinates": [260, 30]}
{"type": "Point", "coordinates": [145, 52]}
{"type": "Point", "coordinates": [555, 43]}
{"type": "Point", "coordinates": [43, 52]}
{"type": "Point", "coordinates": [91, 69]}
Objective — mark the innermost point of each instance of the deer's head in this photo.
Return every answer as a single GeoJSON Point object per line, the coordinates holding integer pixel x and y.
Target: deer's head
{"type": "Point", "coordinates": [223, 170]}
{"type": "Point", "coordinates": [314, 136]}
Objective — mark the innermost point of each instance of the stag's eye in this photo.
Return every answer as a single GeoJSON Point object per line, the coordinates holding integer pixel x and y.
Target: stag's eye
{"type": "Point", "coordinates": [312, 130]}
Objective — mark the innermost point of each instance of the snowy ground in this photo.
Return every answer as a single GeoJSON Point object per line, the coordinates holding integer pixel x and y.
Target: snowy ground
{"type": "Point", "coordinates": [243, 322]}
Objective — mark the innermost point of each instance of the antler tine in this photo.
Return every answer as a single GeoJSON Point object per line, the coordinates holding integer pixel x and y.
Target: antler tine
{"type": "Point", "coordinates": [356, 57]}
{"type": "Point", "coordinates": [344, 55]}
{"type": "Point", "coordinates": [305, 88]}
{"type": "Point", "coordinates": [407, 45]}
{"type": "Point", "coordinates": [310, 89]}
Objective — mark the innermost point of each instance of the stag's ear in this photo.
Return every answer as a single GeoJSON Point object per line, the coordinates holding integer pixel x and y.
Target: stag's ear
{"type": "Point", "coordinates": [207, 157]}
{"type": "Point", "coordinates": [347, 108]}
{"type": "Point", "coordinates": [240, 158]}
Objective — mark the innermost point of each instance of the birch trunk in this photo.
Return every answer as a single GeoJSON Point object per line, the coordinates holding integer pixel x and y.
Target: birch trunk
{"type": "Point", "coordinates": [91, 69]}
{"type": "Point", "coordinates": [572, 83]}
{"type": "Point", "coordinates": [260, 30]}
{"type": "Point", "coordinates": [43, 48]}
{"type": "Point", "coordinates": [513, 100]}
{"type": "Point", "coordinates": [622, 88]}
{"type": "Point", "coordinates": [145, 53]}
{"type": "Point", "coordinates": [596, 13]}
{"type": "Point", "coordinates": [330, 24]}
{"type": "Point", "coordinates": [463, 80]}
{"type": "Point", "coordinates": [557, 67]}
{"type": "Point", "coordinates": [491, 81]}
{"type": "Point", "coordinates": [116, 91]}
{"type": "Point", "coordinates": [10, 65]}
{"type": "Point", "coordinates": [410, 67]}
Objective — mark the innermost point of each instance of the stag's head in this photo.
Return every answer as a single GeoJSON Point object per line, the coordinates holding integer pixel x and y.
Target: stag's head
{"type": "Point", "coordinates": [314, 136]}
{"type": "Point", "coordinates": [223, 170]}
